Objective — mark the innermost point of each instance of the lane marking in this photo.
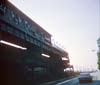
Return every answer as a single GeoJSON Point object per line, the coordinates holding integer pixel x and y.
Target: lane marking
{"type": "Point", "coordinates": [66, 81]}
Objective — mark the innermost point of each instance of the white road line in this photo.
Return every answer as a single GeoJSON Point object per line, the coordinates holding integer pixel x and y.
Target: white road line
{"type": "Point", "coordinates": [66, 81]}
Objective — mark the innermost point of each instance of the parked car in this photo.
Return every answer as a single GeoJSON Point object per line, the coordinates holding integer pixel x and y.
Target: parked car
{"type": "Point", "coordinates": [85, 78]}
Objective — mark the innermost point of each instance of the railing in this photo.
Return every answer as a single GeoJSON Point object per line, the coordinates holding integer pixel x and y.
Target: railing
{"type": "Point", "coordinates": [56, 45]}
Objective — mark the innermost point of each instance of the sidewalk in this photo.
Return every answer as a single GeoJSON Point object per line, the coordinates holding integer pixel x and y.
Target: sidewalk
{"type": "Point", "coordinates": [98, 75]}
{"type": "Point", "coordinates": [57, 81]}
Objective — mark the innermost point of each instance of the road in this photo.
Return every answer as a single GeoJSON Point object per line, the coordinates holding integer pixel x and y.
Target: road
{"type": "Point", "coordinates": [74, 81]}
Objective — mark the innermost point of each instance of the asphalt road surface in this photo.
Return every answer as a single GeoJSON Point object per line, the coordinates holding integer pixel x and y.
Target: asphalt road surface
{"type": "Point", "coordinates": [75, 81]}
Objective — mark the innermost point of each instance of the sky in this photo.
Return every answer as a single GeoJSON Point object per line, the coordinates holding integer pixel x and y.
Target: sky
{"type": "Point", "coordinates": [72, 23]}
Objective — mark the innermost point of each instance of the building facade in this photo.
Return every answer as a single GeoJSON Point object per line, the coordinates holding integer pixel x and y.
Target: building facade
{"type": "Point", "coordinates": [27, 54]}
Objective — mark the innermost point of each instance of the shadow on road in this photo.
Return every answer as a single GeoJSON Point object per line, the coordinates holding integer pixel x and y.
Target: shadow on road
{"type": "Point", "coordinates": [95, 82]}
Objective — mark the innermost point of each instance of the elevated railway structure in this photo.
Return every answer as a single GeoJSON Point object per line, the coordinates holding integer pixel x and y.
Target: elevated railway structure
{"type": "Point", "coordinates": [27, 55]}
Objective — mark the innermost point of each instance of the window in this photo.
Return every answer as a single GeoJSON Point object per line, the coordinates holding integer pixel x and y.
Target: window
{"type": "Point", "coordinates": [3, 27]}
{"type": "Point", "coordinates": [19, 19]}
{"type": "Point", "coordinates": [16, 20]}
{"type": "Point", "coordinates": [2, 9]}
{"type": "Point", "coordinates": [31, 40]}
{"type": "Point", "coordinates": [22, 35]}
{"type": "Point", "coordinates": [12, 14]}
{"type": "Point", "coordinates": [27, 37]}
{"type": "Point", "coordinates": [10, 30]}
{"type": "Point", "coordinates": [33, 33]}
{"type": "Point", "coordinates": [17, 33]}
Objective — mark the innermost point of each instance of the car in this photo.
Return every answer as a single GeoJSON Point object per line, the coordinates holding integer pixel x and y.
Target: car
{"type": "Point", "coordinates": [85, 78]}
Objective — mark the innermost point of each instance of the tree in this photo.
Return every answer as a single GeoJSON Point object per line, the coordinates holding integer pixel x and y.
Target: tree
{"type": "Point", "coordinates": [98, 60]}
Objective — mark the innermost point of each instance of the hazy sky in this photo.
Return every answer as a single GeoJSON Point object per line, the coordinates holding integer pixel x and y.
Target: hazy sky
{"type": "Point", "coordinates": [73, 23]}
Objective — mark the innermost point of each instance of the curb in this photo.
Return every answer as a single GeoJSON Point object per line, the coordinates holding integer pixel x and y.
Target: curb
{"type": "Point", "coordinates": [57, 81]}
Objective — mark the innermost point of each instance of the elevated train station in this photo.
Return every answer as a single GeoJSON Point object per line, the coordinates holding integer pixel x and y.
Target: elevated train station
{"type": "Point", "coordinates": [27, 55]}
